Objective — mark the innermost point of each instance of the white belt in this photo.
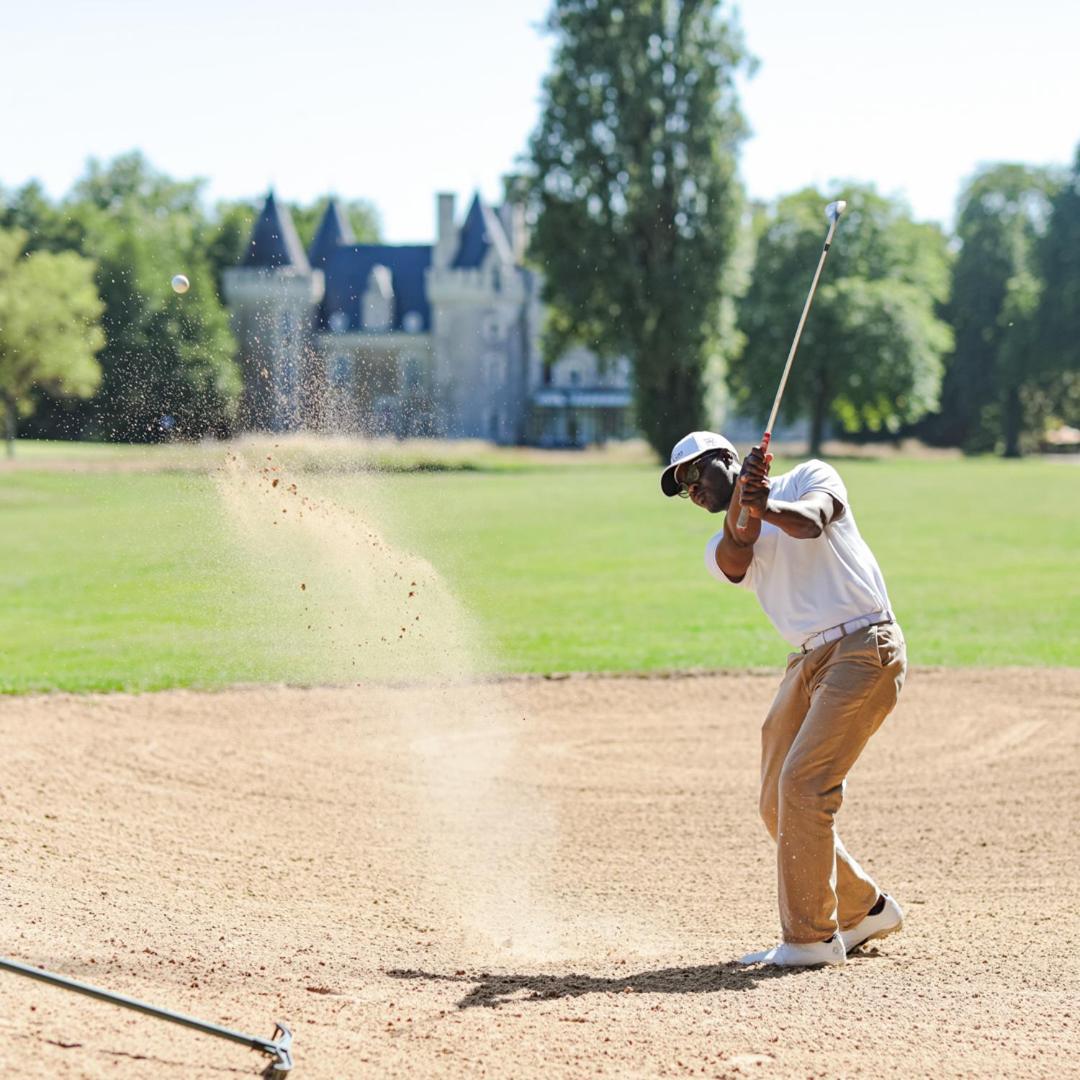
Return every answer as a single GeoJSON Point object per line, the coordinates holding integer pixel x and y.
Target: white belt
{"type": "Point", "coordinates": [835, 633]}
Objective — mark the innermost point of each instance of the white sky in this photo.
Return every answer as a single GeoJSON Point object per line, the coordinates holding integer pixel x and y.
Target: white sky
{"type": "Point", "coordinates": [394, 101]}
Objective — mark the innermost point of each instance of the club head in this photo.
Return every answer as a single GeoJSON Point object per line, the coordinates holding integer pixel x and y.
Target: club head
{"type": "Point", "coordinates": [835, 209]}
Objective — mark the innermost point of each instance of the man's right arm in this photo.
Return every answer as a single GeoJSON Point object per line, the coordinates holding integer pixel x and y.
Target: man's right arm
{"type": "Point", "coordinates": [735, 552]}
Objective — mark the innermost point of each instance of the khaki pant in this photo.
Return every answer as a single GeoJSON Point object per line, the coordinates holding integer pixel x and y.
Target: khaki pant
{"type": "Point", "coordinates": [831, 701]}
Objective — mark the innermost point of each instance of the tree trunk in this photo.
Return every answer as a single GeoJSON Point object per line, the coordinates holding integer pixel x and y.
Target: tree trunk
{"type": "Point", "coordinates": [1013, 421]}
{"type": "Point", "coordinates": [668, 400]}
{"type": "Point", "coordinates": [818, 416]}
{"type": "Point", "coordinates": [9, 426]}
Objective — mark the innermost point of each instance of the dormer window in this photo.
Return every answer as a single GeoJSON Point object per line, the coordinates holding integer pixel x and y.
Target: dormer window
{"type": "Point", "coordinates": [379, 300]}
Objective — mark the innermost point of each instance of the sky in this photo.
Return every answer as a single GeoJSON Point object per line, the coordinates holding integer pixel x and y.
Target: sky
{"type": "Point", "coordinates": [392, 102]}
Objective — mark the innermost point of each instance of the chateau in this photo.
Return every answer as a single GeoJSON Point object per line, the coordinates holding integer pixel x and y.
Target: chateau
{"type": "Point", "coordinates": [411, 340]}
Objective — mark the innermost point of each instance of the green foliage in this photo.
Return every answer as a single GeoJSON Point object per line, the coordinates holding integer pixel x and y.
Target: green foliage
{"type": "Point", "coordinates": [228, 237]}
{"type": "Point", "coordinates": [48, 227]}
{"type": "Point", "coordinates": [870, 354]}
{"type": "Point", "coordinates": [1003, 220]}
{"type": "Point", "coordinates": [167, 356]}
{"type": "Point", "coordinates": [633, 183]}
{"type": "Point", "coordinates": [49, 326]}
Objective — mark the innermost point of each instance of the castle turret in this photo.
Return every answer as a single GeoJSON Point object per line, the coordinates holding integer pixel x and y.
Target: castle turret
{"type": "Point", "coordinates": [274, 242]}
{"type": "Point", "coordinates": [272, 296]}
{"type": "Point", "coordinates": [481, 340]}
{"type": "Point", "coordinates": [333, 232]}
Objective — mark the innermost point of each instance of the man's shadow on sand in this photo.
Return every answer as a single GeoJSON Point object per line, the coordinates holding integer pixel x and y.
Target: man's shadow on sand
{"type": "Point", "coordinates": [495, 990]}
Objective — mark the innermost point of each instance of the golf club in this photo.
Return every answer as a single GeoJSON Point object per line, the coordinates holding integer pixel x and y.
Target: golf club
{"type": "Point", "coordinates": [832, 212]}
{"type": "Point", "coordinates": [279, 1048]}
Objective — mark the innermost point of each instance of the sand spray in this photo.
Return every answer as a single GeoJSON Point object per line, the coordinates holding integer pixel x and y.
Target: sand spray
{"type": "Point", "coordinates": [359, 611]}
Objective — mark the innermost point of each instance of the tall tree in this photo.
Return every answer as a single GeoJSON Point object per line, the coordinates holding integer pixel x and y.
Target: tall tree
{"type": "Point", "coordinates": [870, 355]}
{"type": "Point", "coordinates": [1059, 309]}
{"type": "Point", "coordinates": [1003, 215]}
{"type": "Point", "coordinates": [633, 183]}
{"type": "Point", "coordinates": [49, 329]}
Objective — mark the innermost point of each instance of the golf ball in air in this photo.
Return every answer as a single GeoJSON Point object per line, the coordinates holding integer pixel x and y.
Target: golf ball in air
{"type": "Point", "coordinates": [180, 284]}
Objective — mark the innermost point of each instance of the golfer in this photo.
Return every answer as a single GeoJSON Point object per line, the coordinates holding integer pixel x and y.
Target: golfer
{"type": "Point", "coordinates": [819, 583]}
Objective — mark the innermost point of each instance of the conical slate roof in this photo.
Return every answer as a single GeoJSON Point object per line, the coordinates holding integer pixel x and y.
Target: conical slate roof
{"type": "Point", "coordinates": [274, 241]}
{"type": "Point", "coordinates": [333, 232]}
{"type": "Point", "coordinates": [482, 230]}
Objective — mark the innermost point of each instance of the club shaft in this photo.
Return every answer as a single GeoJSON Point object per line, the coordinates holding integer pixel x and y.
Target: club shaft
{"type": "Point", "coordinates": [265, 1045]}
{"type": "Point", "coordinates": [744, 514]}
{"type": "Point", "coordinates": [799, 328]}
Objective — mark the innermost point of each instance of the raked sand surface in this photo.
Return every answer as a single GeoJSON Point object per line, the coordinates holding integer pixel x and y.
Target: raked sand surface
{"type": "Point", "coordinates": [532, 878]}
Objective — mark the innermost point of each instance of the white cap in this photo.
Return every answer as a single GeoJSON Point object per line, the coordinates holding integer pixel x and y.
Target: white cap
{"type": "Point", "coordinates": [693, 446]}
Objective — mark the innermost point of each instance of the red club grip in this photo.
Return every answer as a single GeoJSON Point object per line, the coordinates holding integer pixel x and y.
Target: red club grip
{"type": "Point", "coordinates": [744, 514]}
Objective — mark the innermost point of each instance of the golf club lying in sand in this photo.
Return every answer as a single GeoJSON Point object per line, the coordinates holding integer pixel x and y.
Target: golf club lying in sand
{"type": "Point", "coordinates": [832, 212]}
{"type": "Point", "coordinates": [279, 1048]}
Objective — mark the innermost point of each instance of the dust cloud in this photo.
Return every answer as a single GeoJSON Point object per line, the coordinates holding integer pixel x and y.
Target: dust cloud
{"type": "Point", "coordinates": [353, 609]}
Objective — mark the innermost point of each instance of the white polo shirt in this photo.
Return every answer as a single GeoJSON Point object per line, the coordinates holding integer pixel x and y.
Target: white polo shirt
{"type": "Point", "coordinates": [809, 585]}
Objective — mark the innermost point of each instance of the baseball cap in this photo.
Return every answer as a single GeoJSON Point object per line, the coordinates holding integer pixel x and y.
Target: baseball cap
{"type": "Point", "coordinates": [692, 446]}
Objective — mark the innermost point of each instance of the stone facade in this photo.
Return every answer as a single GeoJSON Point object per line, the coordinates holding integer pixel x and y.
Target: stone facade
{"type": "Point", "coordinates": [434, 340]}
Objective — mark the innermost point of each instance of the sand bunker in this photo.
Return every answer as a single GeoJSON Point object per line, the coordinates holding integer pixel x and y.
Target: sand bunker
{"type": "Point", "coordinates": [302, 854]}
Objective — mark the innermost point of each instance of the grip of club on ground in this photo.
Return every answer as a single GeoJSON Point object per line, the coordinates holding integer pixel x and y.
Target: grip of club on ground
{"type": "Point", "coordinates": [832, 212]}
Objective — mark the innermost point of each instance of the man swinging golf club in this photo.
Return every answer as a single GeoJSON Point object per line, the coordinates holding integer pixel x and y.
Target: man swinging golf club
{"type": "Point", "coordinates": [793, 540]}
{"type": "Point", "coordinates": [819, 583]}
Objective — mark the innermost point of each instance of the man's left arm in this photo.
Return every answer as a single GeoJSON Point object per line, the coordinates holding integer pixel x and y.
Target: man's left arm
{"type": "Point", "coordinates": [805, 519]}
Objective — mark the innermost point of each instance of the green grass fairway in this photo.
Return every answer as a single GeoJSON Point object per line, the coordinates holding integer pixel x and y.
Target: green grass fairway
{"type": "Point", "coordinates": [129, 580]}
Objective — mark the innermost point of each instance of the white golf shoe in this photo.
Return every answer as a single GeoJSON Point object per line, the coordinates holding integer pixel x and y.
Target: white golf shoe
{"type": "Point", "coordinates": [813, 954]}
{"type": "Point", "coordinates": [887, 921]}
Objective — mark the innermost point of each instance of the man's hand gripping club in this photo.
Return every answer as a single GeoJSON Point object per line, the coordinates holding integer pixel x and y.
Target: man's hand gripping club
{"type": "Point", "coordinates": [735, 551]}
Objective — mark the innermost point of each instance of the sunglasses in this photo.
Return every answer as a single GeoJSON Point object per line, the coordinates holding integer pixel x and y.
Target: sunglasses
{"type": "Point", "coordinates": [692, 473]}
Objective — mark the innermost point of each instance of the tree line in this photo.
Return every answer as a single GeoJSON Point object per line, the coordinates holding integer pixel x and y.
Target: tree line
{"type": "Point", "coordinates": [650, 249]}
{"type": "Point", "coordinates": [647, 246]}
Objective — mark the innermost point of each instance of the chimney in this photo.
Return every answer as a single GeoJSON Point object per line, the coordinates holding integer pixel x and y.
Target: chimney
{"type": "Point", "coordinates": [446, 236]}
{"type": "Point", "coordinates": [512, 213]}
{"type": "Point", "coordinates": [518, 231]}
